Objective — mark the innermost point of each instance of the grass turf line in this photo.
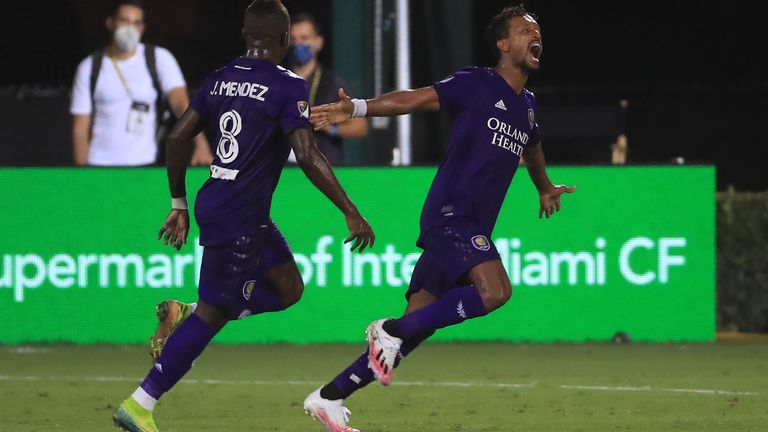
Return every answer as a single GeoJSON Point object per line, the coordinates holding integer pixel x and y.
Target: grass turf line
{"type": "Point", "coordinates": [558, 398]}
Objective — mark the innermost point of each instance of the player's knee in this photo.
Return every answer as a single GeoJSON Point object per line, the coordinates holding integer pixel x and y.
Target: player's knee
{"type": "Point", "coordinates": [492, 283]}
{"type": "Point", "coordinates": [286, 281]}
{"type": "Point", "coordinates": [293, 292]}
{"type": "Point", "coordinates": [497, 295]}
{"type": "Point", "coordinates": [215, 317]}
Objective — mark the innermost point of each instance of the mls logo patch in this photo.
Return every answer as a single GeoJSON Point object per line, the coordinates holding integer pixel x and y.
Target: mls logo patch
{"type": "Point", "coordinates": [248, 289]}
{"type": "Point", "coordinates": [531, 117]}
{"type": "Point", "coordinates": [480, 242]}
{"type": "Point", "coordinates": [303, 109]}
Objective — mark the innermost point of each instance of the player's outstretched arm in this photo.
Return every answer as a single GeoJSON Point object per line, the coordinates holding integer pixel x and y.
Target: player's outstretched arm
{"type": "Point", "coordinates": [549, 194]}
{"type": "Point", "coordinates": [390, 104]}
{"type": "Point", "coordinates": [178, 153]}
{"type": "Point", "coordinates": [319, 172]}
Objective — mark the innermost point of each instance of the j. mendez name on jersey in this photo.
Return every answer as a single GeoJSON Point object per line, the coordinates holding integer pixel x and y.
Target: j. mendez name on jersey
{"type": "Point", "coordinates": [241, 89]}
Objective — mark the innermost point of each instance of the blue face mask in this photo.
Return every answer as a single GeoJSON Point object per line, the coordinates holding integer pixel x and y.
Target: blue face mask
{"type": "Point", "coordinates": [300, 54]}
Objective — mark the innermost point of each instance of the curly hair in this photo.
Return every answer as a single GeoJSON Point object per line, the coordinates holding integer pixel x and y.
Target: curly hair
{"type": "Point", "coordinates": [499, 25]}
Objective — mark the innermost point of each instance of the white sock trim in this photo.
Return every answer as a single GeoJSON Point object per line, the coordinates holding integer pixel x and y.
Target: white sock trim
{"type": "Point", "coordinates": [144, 399]}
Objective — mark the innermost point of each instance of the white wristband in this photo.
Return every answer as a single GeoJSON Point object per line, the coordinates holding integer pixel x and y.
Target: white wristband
{"type": "Point", "coordinates": [179, 203]}
{"type": "Point", "coordinates": [360, 109]}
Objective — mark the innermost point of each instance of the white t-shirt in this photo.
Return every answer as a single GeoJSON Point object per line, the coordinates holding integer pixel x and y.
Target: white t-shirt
{"type": "Point", "coordinates": [112, 144]}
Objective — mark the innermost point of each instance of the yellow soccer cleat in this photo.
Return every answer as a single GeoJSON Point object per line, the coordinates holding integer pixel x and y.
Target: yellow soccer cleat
{"type": "Point", "coordinates": [132, 417]}
{"type": "Point", "coordinates": [170, 313]}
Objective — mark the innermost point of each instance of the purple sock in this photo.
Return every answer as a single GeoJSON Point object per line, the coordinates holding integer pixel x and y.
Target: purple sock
{"type": "Point", "coordinates": [352, 379]}
{"type": "Point", "coordinates": [454, 307]}
{"type": "Point", "coordinates": [411, 344]}
{"type": "Point", "coordinates": [359, 375]}
{"type": "Point", "coordinates": [182, 348]}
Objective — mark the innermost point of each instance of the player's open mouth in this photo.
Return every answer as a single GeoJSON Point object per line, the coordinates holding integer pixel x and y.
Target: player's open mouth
{"type": "Point", "coordinates": [535, 50]}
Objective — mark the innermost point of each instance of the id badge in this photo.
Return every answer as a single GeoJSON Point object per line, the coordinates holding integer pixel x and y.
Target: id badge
{"type": "Point", "coordinates": [138, 118]}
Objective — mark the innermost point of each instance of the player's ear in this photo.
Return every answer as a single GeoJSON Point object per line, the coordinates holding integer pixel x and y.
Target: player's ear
{"type": "Point", "coordinates": [502, 45]}
{"type": "Point", "coordinates": [320, 43]}
{"type": "Point", "coordinates": [109, 23]}
{"type": "Point", "coordinates": [286, 40]}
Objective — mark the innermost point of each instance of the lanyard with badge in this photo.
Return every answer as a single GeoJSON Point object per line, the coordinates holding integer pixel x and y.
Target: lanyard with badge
{"type": "Point", "coordinates": [139, 113]}
{"type": "Point", "coordinates": [318, 75]}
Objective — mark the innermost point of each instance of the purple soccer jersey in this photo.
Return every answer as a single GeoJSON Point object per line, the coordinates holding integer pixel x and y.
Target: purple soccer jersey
{"type": "Point", "coordinates": [250, 106]}
{"type": "Point", "coordinates": [493, 125]}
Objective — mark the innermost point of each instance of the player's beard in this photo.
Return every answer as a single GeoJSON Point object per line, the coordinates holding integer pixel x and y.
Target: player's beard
{"type": "Point", "coordinates": [530, 69]}
{"type": "Point", "coordinates": [527, 67]}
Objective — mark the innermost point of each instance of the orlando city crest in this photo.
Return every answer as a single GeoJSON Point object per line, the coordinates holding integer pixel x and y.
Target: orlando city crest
{"type": "Point", "coordinates": [248, 289]}
{"type": "Point", "coordinates": [480, 242]}
{"type": "Point", "coordinates": [303, 109]}
{"type": "Point", "coordinates": [531, 118]}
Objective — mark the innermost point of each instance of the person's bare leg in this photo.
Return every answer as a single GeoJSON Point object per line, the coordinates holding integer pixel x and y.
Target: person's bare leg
{"type": "Point", "coordinates": [492, 283]}
{"type": "Point", "coordinates": [215, 317]}
{"type": "Point", "coordinates": [285, 281]}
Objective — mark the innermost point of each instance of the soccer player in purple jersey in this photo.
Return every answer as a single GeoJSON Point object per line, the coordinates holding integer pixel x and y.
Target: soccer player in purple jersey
{"type": "Point", "coordinates": [258, 111]}
{"type": "Point", "coordinates": [459, 275]}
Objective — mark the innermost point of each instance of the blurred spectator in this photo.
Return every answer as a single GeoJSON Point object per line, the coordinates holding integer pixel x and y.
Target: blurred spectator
{"type": "Point", "coordinates": [620, 148]}
{"type": "Point", "coordinates": [306, 43]}
{"type": "Point", "coordinates": [120, 93]}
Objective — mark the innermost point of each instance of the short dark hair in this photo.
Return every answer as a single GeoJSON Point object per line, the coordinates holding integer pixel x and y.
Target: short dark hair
{"type": "Point", "coordinates": [309, 18]}
{"type": "Point", "coordinates": [268, 10]}
{"type": "Point", "coordinates": [120, 3]}
{"type": "Point", "coordinates": [499, 27]}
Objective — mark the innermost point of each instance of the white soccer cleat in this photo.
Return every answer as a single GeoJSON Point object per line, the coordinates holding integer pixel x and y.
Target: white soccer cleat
{"type": "Point", "coordinates": [383, 349]}
{"type": "Point", "coordinates": [331, 413]}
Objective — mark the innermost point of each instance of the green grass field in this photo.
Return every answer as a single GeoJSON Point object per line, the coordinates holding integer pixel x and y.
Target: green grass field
{"type": "Point", "coordinates": [460, 387]}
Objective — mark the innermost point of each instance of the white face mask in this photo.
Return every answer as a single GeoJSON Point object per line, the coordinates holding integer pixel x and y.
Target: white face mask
{"type": "Point", "coordinates": [127, 37]}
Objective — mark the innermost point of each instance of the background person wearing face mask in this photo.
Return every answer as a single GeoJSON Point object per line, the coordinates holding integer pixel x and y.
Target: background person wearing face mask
{"type": "Point", "coordinates": [116, 124]}
{"type": "Point", "coordinates": [306, 43]}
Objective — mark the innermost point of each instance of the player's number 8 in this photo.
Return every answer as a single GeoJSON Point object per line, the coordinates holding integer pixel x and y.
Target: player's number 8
{"type": "Point", "coordinates": [230, 125]}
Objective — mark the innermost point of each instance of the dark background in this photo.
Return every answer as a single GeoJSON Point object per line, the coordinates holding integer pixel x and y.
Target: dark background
{"type": "Point", "coordinates": [694, 72]}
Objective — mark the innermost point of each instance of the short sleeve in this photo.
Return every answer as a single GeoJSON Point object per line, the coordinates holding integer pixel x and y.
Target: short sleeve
{"type": "Point", "coordinates": [535, 133]}
{"type": "Point", "coordinates": [294, 111]}
{"type": "Point", "coordinates": [81, 89]}
{"type": "Point", "coordinates": [168, 71]}
{"type": "Point", "coordinates": [455, 91]}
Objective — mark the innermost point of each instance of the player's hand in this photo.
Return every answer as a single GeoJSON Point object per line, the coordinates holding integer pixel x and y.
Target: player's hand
{"type": "Point", "coordinates": [359, 231]}
{"type": "Point", "coordinates": [327, 115]}
{"type": "Point", "coordinates": [550, 199]}
{"type": "Point", "coordinates": [175, 229]}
